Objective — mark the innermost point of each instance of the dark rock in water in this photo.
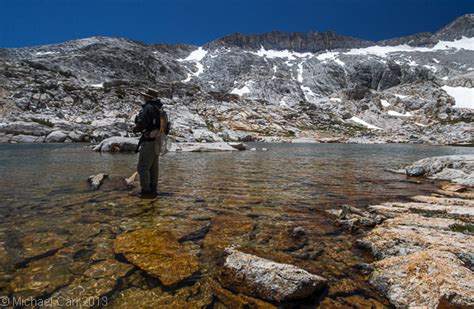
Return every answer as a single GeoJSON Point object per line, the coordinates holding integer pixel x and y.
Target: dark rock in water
{"type": "Point", "coordinates": [195, 235]}
{"type": "Point", "coordinates": [415, 171]}
{"type": "Point", "coordinates": [262, 278]}
{"type": "Point", "coordinates": [298, 232]}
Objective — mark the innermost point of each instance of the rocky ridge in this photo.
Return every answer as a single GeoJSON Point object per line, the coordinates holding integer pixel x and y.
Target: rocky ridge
{"type": "Point", "coordinates": [268, 87]}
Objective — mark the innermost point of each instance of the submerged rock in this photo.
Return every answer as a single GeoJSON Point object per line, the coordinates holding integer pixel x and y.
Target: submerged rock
{"type": "Point", "coordinates": [158, 253]}
{"type": "Point", "coordinates": [97, 180]}
{"type": "Point", "coordinates": [256, 276]}
{"type": "Point", "coordinates": [197, 296]}
{"type": "Point", "coordinates": [92, 288]}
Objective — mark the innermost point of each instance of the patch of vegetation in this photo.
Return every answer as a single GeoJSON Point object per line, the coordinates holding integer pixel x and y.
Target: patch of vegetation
{"type": "Point", "coordinates": [42, 67]}
{"type": "Point", "coordinates": [69, 88]}
{"type": "Point", "coordinates": [467, 228]}
{"type": "Point", "coordinates": [458, 120]}
{"type": "Point", "coordinates": [44, 122]}
{"type": "Point", "coordinates": [210, 126]}
{"type": "Point", "coordinates": [120, 93]}
{"type": "Point", "coordinates": [429, 212]}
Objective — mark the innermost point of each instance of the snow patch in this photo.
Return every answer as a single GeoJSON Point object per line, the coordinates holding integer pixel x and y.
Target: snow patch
{"type": "Point", "coordinates": [308, 93]}
{"type": "Point", "coordinates": [430, 67]}
{"type": "Point", "coordinates": [46, 53]}
{"type": "Point", "coordinates": [400, 96]}
{"type": "Point", "coordinates": [333, 56]}
{"type": "Point", "coordinates": [383, 51]}
{"type": "Point", "coordinates": [300, 72]}
{"type": "Point", "coordinates": [365, 124]}
{"type": "Point", "coordinates": [397, 114]}
{"type": "Point", "coordinates": [188, 78]}
{"type": "Point", "coordinates": [385, 103]}
{"type": "Point", "coordinates": [101, 85]}
{"type": "Point", "coordinates": [240, 91]}
{"type": "Point", "coordinates": [196, 55]}
{"type": "Point", "coordinates": [290, 55]}
{"type": "Point", "coordinates": [463, 96]}
{"type": "Point", "coordinates": [338, 100]}
{"type": "Point", "coordinates": [435, 60]}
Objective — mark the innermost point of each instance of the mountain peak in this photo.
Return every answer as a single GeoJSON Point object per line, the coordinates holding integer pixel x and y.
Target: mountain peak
{"type": "Point", "coordinates": [461, 26]}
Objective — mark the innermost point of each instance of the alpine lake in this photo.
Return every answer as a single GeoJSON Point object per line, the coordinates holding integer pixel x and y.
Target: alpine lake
{"type": "Point", "coordinates": [57, 235]}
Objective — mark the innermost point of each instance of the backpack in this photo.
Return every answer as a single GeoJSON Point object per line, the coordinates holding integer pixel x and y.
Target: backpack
{"type": "Point", "coordinates": [160, 121]}
{"type": "Point", "coordinates": [165, 124]}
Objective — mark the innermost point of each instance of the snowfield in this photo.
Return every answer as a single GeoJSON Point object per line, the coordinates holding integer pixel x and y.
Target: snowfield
{"type": "Point", "coordinates": [290, 55]}
{"type": "Point", "coordinates": [463, 96]}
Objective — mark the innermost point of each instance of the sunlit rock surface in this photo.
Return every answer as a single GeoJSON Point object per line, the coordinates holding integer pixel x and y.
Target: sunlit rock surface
{"type": "Point", "coordinates": [158, 253]}
{"type": "Point", "coordinates": [266, 279]}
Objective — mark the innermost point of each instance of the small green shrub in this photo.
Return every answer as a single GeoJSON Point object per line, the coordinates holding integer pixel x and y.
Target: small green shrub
{"type": "Point", "coordinates": [467, 228]}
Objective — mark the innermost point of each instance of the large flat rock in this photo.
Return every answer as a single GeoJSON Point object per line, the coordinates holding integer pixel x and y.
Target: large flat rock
{"type": "Point", "coordinates": [458, 168]}
{"type": "Point", "coordinates": [158, 253]}
{"type": "Point", "coordinates": [262, 278]}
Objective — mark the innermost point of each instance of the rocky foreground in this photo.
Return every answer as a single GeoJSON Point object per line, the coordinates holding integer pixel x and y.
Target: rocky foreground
{"type": "Point", "coordinates": [424, 247]}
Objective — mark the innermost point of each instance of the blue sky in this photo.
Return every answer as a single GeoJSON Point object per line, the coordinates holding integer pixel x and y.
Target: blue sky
{"type": "Point", "coordinates": [37, 22]}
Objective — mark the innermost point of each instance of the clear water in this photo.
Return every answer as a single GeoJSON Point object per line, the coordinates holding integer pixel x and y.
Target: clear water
{"type": "Point", "coordinates": [43, 190]}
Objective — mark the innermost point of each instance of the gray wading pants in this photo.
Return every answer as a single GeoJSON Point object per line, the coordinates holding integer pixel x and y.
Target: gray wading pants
{"type": "Point", "coordinates": [148, 167]}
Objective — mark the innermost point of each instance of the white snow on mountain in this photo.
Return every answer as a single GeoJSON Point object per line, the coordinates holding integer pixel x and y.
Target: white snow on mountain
{"type": "Point", "coordinates": [300, 72]}
{"type": "Point", "coordinates": [196, 55]}
{"type": "Point", "coordinates": [384, 103]}
{"type": "Point", "coordinates": [240, 91]}
{"type": "Point", "coordinates": [290, 55]}
{"type": "Point", "coordinates": [308, 93]}
{"type": "Point", "coordinates": [463, 96]}
{"type": "Point", "coordinates": [365, 124]}
{"type": "Point", "coordinates": [397, 114]}
{"type": "Point", "coordinates": [383, 51]}
{"type": "Point", "coordinates": [333, 56]}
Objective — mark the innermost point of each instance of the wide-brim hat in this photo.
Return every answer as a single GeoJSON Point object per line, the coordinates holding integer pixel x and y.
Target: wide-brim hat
{"type": "Point", "coordinates": [150, 93]}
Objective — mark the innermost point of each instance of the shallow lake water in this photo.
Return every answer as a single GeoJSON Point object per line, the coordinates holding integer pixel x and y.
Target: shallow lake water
{"type": "Point", "coordinates": [53, 229]}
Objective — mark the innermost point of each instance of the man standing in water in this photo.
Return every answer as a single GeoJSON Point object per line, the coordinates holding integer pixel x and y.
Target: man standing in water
{"type": "Point", "coordinates": [149, 123]}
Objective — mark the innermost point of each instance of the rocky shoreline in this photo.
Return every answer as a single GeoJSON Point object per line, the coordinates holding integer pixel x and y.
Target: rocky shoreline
{"type": "Point", "coordinates": [424, 248]}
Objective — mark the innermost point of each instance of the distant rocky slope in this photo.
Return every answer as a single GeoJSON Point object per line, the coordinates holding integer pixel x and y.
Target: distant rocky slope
{"type": "Point", "coordinates": [272, 87]}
